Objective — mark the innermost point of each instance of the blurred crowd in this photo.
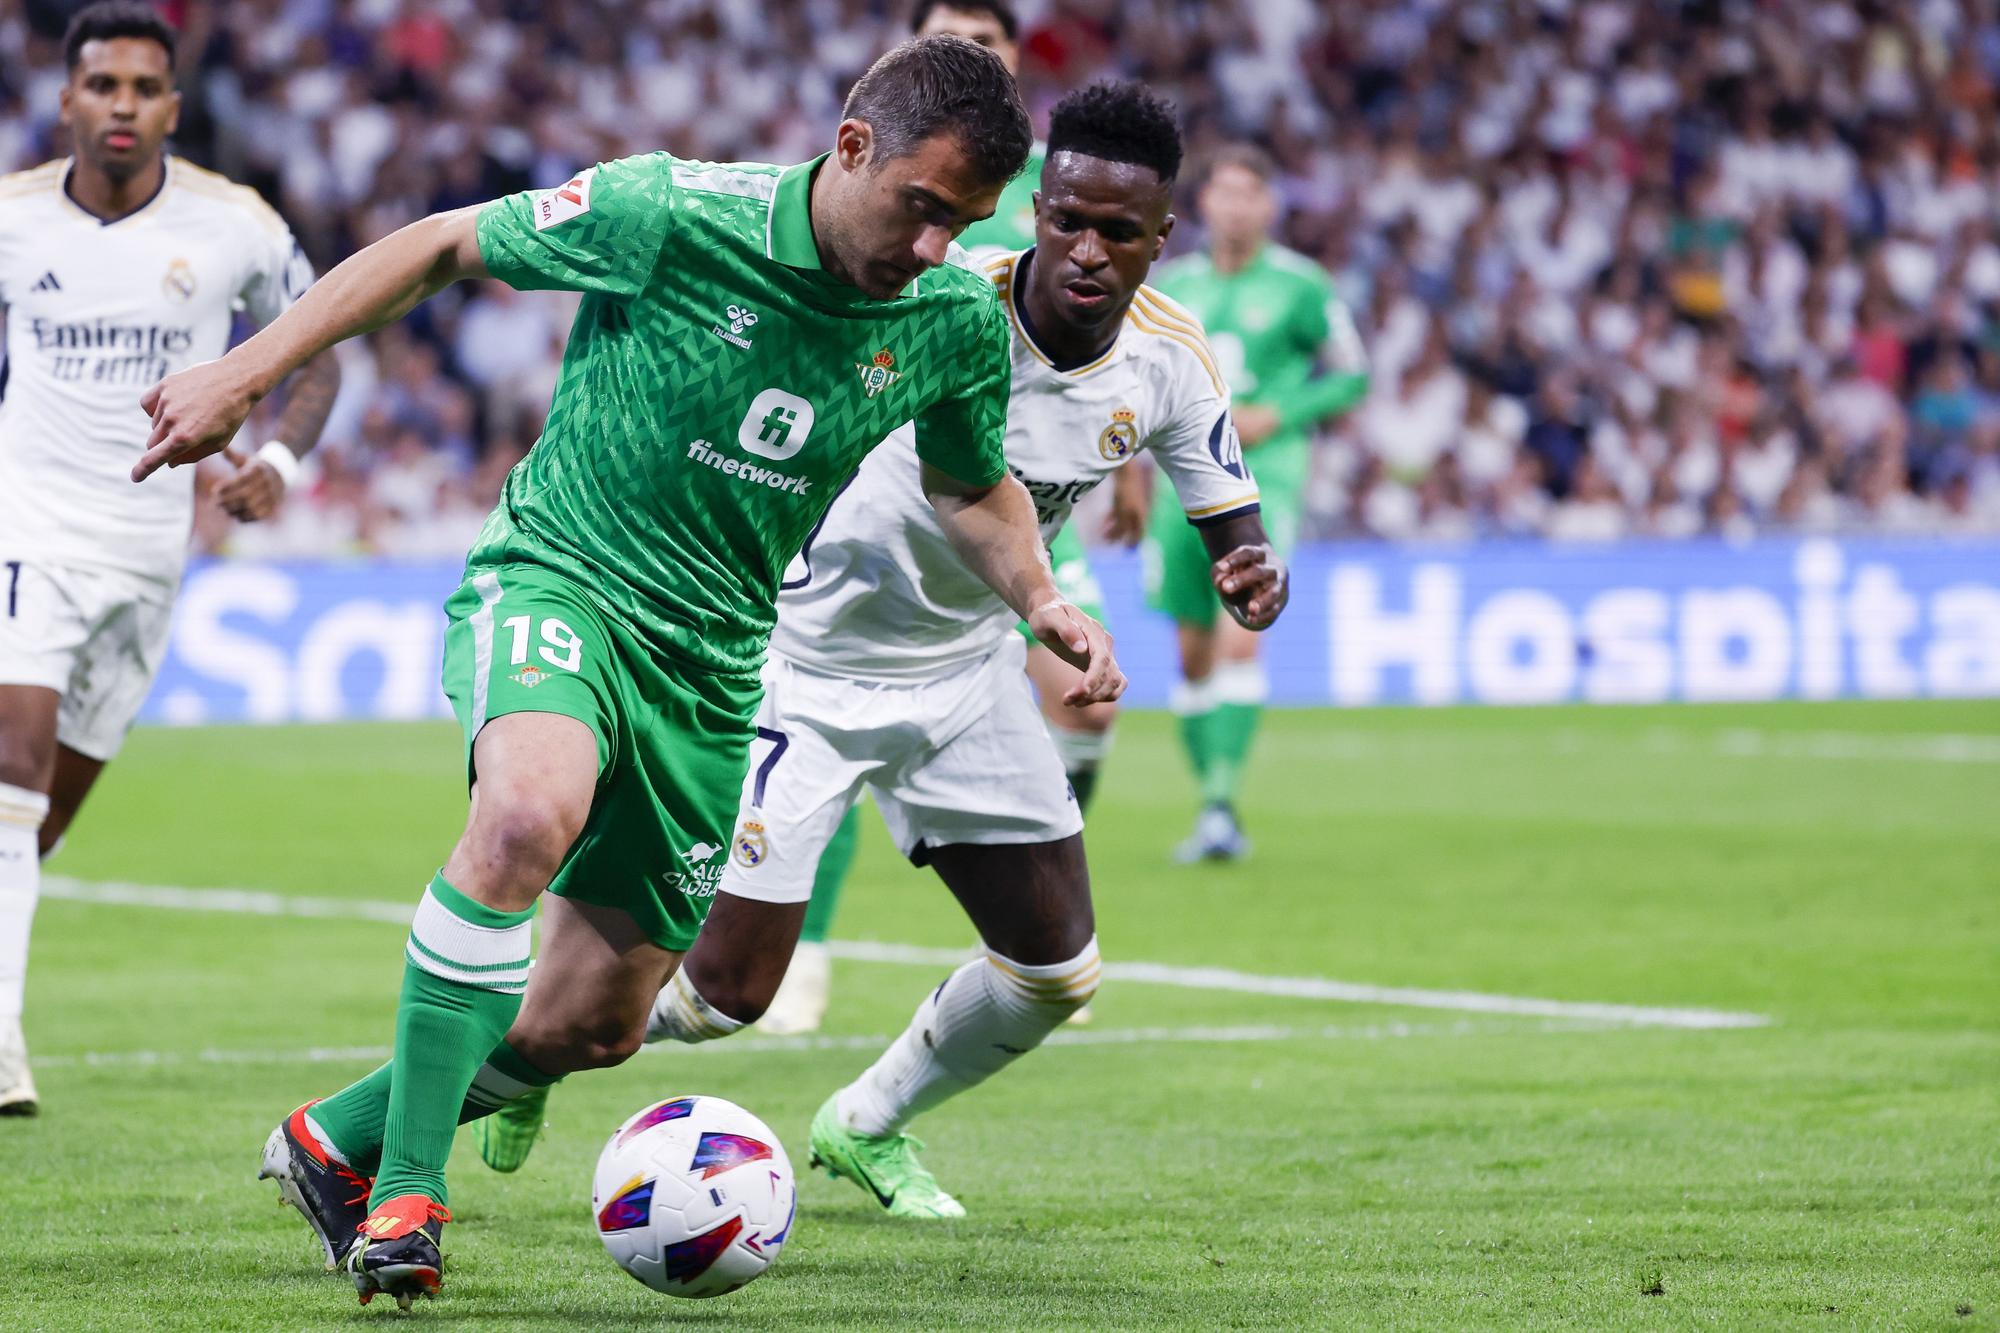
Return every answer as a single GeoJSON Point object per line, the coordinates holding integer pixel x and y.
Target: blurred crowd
{"type": "Point", "coordinates": [1624, 267]}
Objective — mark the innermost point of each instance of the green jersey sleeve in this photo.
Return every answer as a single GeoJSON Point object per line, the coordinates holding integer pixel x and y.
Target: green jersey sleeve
{"type": "Point", "coordinates": [601, 232]}
{"type": "Point", "coordinates": [961, 435]}
{"type": "Point", "coordinates": [1326, 334]}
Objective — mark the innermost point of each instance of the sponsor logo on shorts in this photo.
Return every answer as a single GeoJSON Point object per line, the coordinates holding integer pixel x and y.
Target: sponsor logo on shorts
{"type": "Point", "coordinates": [529, 676]}
{"type": "Point", "coordinates": [751, 848]}
{"type": "Point", "coordinates": [1117, 440]}
{"type": "Point", "coordinates": [701, 871]}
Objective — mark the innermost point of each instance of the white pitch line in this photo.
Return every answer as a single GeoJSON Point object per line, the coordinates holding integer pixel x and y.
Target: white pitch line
{"type": "Point", "coordinates": [756, 1045]}
{"type": "Point", "coordinates": [255, 902]}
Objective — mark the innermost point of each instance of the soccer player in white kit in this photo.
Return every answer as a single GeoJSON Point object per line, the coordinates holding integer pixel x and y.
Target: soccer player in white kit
{"type": "Point", "coordinates": [118, 266]}
{"type": "Point", "coordinates": [894, 668]}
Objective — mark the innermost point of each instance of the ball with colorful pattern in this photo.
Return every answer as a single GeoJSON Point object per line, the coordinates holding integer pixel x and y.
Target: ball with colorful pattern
{"type": "Point", "coordinates": [694, 1196]}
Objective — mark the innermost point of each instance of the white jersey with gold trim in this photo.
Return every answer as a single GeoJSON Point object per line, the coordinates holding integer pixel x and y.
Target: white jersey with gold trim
{"type": "Point", "coordinates": [97, 313]}
{"type": "Point", "coordinates": [879, 591]}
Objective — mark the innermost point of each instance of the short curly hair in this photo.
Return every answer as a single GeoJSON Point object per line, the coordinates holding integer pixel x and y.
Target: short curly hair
{"type": "Point", "coordinates": [1119, 122]}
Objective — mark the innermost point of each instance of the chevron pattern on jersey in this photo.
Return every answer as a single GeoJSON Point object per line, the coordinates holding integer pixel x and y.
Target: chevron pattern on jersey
{"type": "Point", "coordinates": [688, 451]}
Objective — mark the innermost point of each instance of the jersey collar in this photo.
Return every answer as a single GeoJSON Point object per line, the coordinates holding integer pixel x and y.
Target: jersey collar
{"type": "Point", "coordinates": [788, 232]}
{"type": "Point", "coordinates": [69, 201]}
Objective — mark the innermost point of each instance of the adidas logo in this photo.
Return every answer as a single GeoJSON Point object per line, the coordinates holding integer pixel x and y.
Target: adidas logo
{"type": "Point", "coordinates": [48, 283]}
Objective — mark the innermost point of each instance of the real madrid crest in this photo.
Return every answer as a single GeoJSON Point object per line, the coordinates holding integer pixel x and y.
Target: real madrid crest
{"type": "Point", "coordinates": [750, 844]}
{"type": "Point", "coordinates": [1117, 440]}
{"type": "Point", "coordinates": [878, 375]}
{"type": "Point", "coordinates": [179, 283]}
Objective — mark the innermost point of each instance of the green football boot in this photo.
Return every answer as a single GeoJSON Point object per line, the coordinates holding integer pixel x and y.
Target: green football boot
{"type": "Point", "coordinates": [507, 1136]}
{"type": "Point", "coordinates": [886, 1166]}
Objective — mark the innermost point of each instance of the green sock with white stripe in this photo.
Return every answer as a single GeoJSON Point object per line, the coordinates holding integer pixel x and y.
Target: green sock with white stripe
{"type": "Point", "coordinates": [464, 970]}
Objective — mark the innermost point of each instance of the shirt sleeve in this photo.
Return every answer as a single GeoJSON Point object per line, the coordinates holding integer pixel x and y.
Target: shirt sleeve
{"type": "Point", "coordinates": [280, 276]}
{"type": "Point", "coordinates": [1327, 330]}
{"type": "Point", "coordinates": [961, 435]}
{"type": "Point", "coordinates": [1198, 449]}
{"type": "Point", "coordinates": [601, 231]}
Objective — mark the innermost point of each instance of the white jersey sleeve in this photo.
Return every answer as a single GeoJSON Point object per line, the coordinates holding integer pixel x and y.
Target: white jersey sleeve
{"type": "Point", "coordinates": [1194, 441]}
{"type": "Point", "coordinates": [280, 274]}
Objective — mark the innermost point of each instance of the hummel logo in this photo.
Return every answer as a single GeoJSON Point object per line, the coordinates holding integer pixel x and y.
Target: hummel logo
{"type": "Point", "coordinates": [48, 283]}
{"type": "Point", "coordinates": [740, 318]}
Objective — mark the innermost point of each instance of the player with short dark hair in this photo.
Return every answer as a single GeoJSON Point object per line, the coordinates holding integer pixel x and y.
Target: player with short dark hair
{"type": "Point", "coordinates": [1291, 353]}
{"type": "Point", "coordinates": [1082, 735]}
{"type": "Point", "coordinates": [603, 651]}
{"type": "Point", "coordinates": [893, 669]}
{"type": "Point", "coordinates": [118, 265]}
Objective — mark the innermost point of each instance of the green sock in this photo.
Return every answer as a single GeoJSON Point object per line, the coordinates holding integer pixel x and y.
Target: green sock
{"type": "Point", "coordinates": [1196, 716]}
{"type": "Point", "coordinates": [355, 1117]}
{"type": "Point", "coordinates": [1232, 727]}
{"type": "Point", "coordinates": [827, 881]}
{"type": "Point", "coordinates": [1083, 781]}
{"type": "Point", "coordinates": [465, 968]}
{"type": "Point", "coordinates": [352, 1118]}
{"type": "Point", "coordinates": [505, 1076]}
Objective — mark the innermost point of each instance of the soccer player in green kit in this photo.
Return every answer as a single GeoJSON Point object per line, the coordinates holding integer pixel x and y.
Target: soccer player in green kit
{"type": "Point", "coordinates": [602, 654]}
{"type": "Point", "coordinates": [1082, 735]}
{"type": "Point", "coordinates": [1292, 357]}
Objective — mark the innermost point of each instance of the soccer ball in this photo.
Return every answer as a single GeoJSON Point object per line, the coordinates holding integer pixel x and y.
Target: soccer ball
{"type": "Point", "coordinates": [694, 1196]}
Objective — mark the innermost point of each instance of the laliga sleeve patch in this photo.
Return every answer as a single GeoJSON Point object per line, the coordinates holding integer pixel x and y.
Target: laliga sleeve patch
{"type": "Point", "coordinates": [557, 206]}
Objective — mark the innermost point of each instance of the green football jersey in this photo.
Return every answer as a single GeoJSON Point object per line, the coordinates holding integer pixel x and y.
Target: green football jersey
{"type": "Point", "coordinates": [1012, 226]}
{"type": "Point", "coordinates": [1272, 324]}
{"type": "Point", "coordinates": [718, 388]}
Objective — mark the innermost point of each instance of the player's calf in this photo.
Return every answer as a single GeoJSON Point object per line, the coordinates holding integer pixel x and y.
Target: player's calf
{"type": "Point", "coordinates": [986, 1015]}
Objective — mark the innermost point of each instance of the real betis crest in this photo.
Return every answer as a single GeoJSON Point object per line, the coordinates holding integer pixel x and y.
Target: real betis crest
{"type": "Point", "coordinates": [878, 376]}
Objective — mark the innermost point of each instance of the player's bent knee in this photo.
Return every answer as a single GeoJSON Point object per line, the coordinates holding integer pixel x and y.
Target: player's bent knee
{"type": "Point", "coordinates": [1053, 989]}
{"type": "Point", "coordinates": [528, 835]}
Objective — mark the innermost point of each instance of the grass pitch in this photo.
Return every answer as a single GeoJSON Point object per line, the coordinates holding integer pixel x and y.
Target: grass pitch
{"type": "Point", "coordinates": [1196, 1158]}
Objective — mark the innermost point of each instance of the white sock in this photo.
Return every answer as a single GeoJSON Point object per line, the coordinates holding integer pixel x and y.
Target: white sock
{"type": "Point", "coordinates": [1080, 750]}
{"type": "Point", "coordinates": [987, 1015]}
{"type": "Point", "coordinates": [21, 815]}
{"type": "Point", "coordinates": [680, 1014]}
{"type": "Point", "coordinates": [1239, 683]}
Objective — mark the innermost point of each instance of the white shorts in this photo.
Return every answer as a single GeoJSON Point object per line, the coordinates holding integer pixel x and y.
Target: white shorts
{"type": "Point", "coordinates": [94, 636]}
{"type": "Point", "coordinates": [963, 758]}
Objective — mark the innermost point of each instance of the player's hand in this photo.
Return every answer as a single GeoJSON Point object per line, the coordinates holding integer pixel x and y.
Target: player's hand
{"type": "Point", "coordinates": [1131, 502]}
{"type": "Point", "coordinates": [195, 413]}
{"type": "Point", "coordinates": [1085, 645]}
{"type": "Point", "coordinates": [1255, 423]}
{"type": "Point", "coordinates": [253, 492]}
{"type": "Point", "coordinates": [1254, 584]}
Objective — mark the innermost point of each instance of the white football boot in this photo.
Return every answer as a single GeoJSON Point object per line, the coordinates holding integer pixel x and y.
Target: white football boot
{"type": "Point", "coordinates": [17, 1083]}
{"type": "Point", "coordinates": [799, 1006]}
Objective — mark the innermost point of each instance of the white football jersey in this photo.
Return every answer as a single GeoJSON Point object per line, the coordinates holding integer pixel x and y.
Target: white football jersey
{"type": "Point", "coordinates": [96, 314]}
{"type": "Point", "coordinates": [878, 590]}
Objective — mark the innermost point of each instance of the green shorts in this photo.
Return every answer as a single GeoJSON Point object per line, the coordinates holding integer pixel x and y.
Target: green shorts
{"type": "Point", "coordinates": [1176, 562]}
{"type": "Point", "coordinates": [672, 740]}
{"type": "Point", "coordinates": [1073, 578]}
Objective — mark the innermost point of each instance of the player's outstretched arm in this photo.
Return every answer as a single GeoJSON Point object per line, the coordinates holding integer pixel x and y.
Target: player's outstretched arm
{"type": "Point", "coordinates": [258, 486]}
{"type": "Point", "coordinates": [1252, 581]}
{"type": "Point", "coordinates": [993, 530]}
{"type": "Point", "coordinates": [196, 412]}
